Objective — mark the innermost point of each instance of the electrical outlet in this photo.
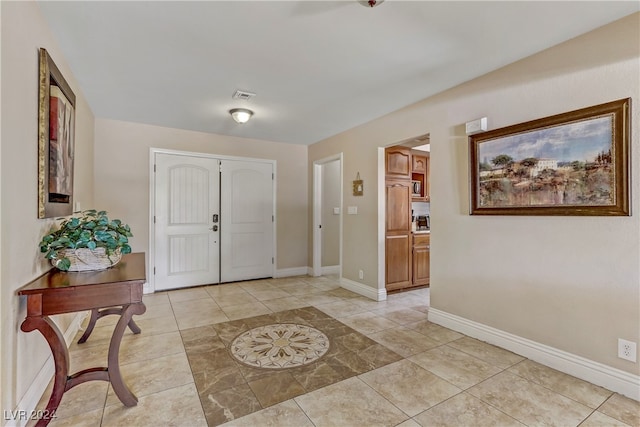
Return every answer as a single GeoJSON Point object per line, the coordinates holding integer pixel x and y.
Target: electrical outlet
{"type": "Point", "coordinates": [360, 274]}
{"type": "Point", "coordinates": [627, 350]}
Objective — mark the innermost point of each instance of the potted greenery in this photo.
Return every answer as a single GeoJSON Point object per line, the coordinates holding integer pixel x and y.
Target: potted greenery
{"type": "Point", "coordinates": [89, 240]}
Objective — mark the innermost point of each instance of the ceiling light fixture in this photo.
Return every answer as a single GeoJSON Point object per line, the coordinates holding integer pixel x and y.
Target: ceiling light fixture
{"type": "Point", "coordinates": [241, 115]}
{"type": "Point", "coordinates": [370, 3]}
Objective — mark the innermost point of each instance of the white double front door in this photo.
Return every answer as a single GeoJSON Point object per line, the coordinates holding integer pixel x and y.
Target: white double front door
{"type": "Point", "coordinates": [214, 220]}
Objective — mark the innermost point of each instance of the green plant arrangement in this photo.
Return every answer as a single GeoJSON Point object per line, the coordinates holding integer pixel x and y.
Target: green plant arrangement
{"type": "Point", "coordinates": [88, 240]}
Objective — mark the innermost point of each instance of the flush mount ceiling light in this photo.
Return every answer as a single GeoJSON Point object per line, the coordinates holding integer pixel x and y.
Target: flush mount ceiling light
{"type": "Point", "coordinates": [241, 115]}
{"type": "Point", "coordinates": [370, 3]}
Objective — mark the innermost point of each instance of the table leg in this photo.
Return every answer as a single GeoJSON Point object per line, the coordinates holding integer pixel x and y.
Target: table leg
{"type": "Point", "coordinates": [90, 326]}
{"type": "Point", "coordinates": [134, 327]}
{"type": "Point", "coordinates": [56, 342]}
{"type": "Point", "coordinates": [98, 314]}
{"type": "Point", "coordinates": [119, 387]}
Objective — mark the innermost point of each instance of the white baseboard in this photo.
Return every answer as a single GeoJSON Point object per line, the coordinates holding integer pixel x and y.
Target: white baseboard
{"type": "Point", "coordinates": [34, 393]}
{"type": "Point", "coordinates": [364, 290]}
{"type": "Point", "coordinates": [597, 373]}
{"type": "Point", "coordinates": [331, 269]}
{"type": "Point", "coordinates": [295, 271]}
{"type": "Point", "coordinates": [147, 288]}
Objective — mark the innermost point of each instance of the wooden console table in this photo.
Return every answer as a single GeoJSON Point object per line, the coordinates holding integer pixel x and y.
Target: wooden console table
{"type": "Point", "coordinates": [117, 290]}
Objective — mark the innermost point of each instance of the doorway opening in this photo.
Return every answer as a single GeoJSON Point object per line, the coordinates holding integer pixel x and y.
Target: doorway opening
{"type": "Point", "coordinates": [327, 216]}
{"type": "Point", "coordinates": [404, 215]}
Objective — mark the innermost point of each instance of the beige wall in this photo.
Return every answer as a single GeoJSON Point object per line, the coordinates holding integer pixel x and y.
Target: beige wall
{"type": "Point", "coordinates": [122, 178]}
{"type": "Point", "coordinates": [23, 32]}
{"type": "Point", "coordinates": [572, 283]}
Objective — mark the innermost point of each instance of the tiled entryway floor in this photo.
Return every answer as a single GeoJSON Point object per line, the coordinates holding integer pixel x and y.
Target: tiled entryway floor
{"type": "Point", "coordinates": [387, 366]}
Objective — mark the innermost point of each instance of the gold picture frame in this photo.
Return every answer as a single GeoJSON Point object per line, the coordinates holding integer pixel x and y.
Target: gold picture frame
{"type": "Point", "coordinates": [574, 163]}
{"type": "Point", "coordinates": [358, 186]}
{"type": "Point", "coordinates": [56, 140]}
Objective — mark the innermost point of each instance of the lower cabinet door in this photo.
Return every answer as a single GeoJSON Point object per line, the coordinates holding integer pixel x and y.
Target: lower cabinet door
{"type": "Point", "coordinates": [421, 265]}
{"type": "Point", "coordinates": [398, 268]}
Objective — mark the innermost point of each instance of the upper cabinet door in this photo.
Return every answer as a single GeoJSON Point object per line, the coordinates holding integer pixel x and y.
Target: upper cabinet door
{"type": "Point", "coordinates": [398, 203]}
{"type": "Point", "coordinates": [419, 164]}
{"type": "Point", "coordinates": [427, 179]}
{"type": "Point", "coordinates": [398, 162]}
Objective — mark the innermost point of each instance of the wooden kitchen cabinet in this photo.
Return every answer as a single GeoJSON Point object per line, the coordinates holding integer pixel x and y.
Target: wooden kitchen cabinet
{"type": "Point", "coordinates": [398, 234]}
{"type": "Point", "coordinates": [398, 162]}
{"type": "Point", "coordinates": [420, 173]}
{"type": "Point", "coordinates": [398, 202]}
{"type": "Point", "coordinates": [427, 181]}
{"type": "Point", "coordinates": [398, 262]}
{"type": "Point", "coordinates": [421, 259]}
{"type": "Point", "coordinates": [419, 163]}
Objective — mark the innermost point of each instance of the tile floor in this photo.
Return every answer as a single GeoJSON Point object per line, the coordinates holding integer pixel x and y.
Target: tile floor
{"type": "Point", "coordinates": [388, 366]}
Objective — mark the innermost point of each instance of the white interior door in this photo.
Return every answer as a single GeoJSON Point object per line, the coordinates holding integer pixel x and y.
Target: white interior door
{"type": "Point", "coordinates": [246, 199]}
{"type": "Point", "coordinates": [186, 240]}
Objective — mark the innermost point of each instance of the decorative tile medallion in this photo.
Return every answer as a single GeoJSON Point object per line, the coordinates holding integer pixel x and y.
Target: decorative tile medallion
{"type": "Point", "coordinates": [229, 388]}
{"type": "Point", "coordinates": [279, 346]}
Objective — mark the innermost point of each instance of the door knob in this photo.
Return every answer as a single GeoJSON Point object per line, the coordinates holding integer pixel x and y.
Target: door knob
{"type": "Point", "coordinates": [214, 228]}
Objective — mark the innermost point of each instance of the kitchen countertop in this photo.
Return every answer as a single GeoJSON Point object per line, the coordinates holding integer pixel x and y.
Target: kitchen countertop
{"type": "Point", "coordinates": [421, 232]}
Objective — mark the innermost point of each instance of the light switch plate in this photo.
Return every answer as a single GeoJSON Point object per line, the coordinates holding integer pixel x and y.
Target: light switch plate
{"type": "Point", "coordinates": [352, 210]}
{"type": "Point", "coordinates": [336, 211]}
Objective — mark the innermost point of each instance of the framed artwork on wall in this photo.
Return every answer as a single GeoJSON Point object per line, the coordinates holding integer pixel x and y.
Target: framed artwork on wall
{"type": "Point", "coordinates": [358, 186]}
{"type": "Point", "coordinates": [574, 163]}
{"type": "Point", "coordinates": [56, 140]}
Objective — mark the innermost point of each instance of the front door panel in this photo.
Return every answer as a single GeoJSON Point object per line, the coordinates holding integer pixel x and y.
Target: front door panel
{"type": "Point", "coordinates": [246, 220]}
{"type": "Point", "coordinates": [187, 198]}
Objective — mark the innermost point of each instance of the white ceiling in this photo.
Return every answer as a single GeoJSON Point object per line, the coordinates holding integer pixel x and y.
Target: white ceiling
{"type": "Point", "coordinates": [318, 67]}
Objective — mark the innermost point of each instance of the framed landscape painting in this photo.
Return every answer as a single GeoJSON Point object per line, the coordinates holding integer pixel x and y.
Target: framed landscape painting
{"type": "Point", "coordinates": [575, 163]}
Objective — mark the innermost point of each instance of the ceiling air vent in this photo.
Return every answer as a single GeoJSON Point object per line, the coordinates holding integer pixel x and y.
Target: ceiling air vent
{"type": "Point", "coordinates": [241, 94]}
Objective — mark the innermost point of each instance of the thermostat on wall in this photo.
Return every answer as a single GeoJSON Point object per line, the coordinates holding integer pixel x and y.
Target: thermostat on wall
{"type": "Point", "coordinates": [476, 126]}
